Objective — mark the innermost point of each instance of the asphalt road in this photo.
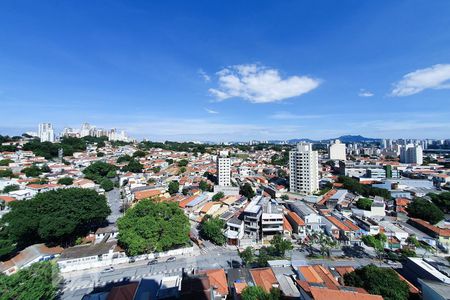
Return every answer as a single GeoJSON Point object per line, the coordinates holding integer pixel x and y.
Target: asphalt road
{"type": "Point", "coordinates": [114, 203]}
{"type": "Point", "coordinates": [83, 282]}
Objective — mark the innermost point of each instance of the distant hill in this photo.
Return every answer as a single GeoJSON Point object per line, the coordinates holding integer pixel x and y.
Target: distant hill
{"type": "Point", "coordinates": [356, 139]}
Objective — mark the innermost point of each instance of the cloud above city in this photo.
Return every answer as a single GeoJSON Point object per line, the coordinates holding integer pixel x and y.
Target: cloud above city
{"type": "Point", "coordinates": [259, 84]}
{"type": "Point", "coordinates": [434, 77]}
{"type": "Point", "coordinates": [365, 93]}
{"type": "Point", "coordinates": [211, 111]}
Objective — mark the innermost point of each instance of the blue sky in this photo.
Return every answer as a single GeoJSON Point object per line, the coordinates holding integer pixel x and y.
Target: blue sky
{"type": "Point", "coordinates": [228, 70]}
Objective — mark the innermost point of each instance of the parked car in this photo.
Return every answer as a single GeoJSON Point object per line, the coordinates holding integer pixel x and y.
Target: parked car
{"type": "Point", "coordinates": [152, 262]}
{"type": "Point", "coordinates": [132, 260]}
{"type": "Point", "coordinates": [172, 258]}
{"type": "Point", "coordinates": [108, 270]}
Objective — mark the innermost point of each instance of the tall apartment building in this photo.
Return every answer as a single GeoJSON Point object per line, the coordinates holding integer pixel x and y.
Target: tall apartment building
{"type": "Point", "coordinates": [223, 169]}
{"type": "Point", "coordinates": [411, 154]}
{"type": "Point", "coordinates": [337, 151]}
{"type": "Point", "coordinates": [304, 169]}
{"type": "Point", "coordinates": [46, 133]}
{"type": "Point", "coordinates": [85, 129]}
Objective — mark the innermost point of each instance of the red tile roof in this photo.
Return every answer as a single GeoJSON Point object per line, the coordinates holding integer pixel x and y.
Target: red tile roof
{"type": "Point", "coordinates": [296, 218]}
{"type": "Point", "coordinates": [218, 280]}
{"type": "Point", "coordinates": [139, 195]}
{"type": "Point", "coordinates": [7, 199]}
{"type": "Point", "coordinates": [264, 277]}
{"type": "Point", "coordinates": [329, 294]}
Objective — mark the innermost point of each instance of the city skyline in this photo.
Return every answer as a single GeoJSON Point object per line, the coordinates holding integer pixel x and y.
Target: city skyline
{"type": "Point", "coordinates": [234, 73]}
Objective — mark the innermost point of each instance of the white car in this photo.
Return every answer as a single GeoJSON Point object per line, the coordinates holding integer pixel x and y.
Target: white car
{"type": "Point", "coordinates": [108, 270]}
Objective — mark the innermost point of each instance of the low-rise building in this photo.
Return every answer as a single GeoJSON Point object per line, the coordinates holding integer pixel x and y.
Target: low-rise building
{"type": "Point", "coordinates": [28, 256]}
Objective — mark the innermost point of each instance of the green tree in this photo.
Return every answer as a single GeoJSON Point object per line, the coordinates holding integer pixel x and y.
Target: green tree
{"type": "Point", "coordinates": [247, 191]}
{"type": "Point", "coordinates": [32, 171]}
{"type": "Point", "coordinates": [11, 188]}
{"type": "Point", "coordinates": [364, 203]}
{"type": "Point", "coordinates": [6, 173]}
{"type": "Point", "coordinates": [174, 186]}
{"type": "Point", "coordinates": [325, 242]}
{"type": "Point", "coordinates": [101, 154]}
{"type": "Point", "coordinates": [183, 163]}
{"type": "Point", "coordinates": [7, 243]}
{"type": "Point", "coordinates": [365, 190]}
{"type": "Point", "coordinates": [139, 153]}
{"type": "Point", "coordinates": [111, 174]}
{"type": "Point", "coordinates": [107, 184]}
{"type": "Point", "coordinates": [258, 293]}
{"type": "Point", "coordinates": [425, 210]}
{"type": "Point", "coordinates": [284, 197]}
{"type": "Point", "coordinates": [65, 181]}
{"type": "Point", "coordinates": [412, 240]}
{"type": "Point", "coordinates": [98, 170]}
{"type": "Point", "coordinates": [5, 162]}
{"type": "Point", "coordinates": [263, 257]}
{"type": "Point", "coordinates": [247, 256]}
{"type": "Point", "coordinates": [218, 196]}
{"type": "Point", "coordinates": [182, 170]}
{"type": "Point", "coordinates": [441, 200]}
{"type": "Point", "coordinates": [211, 229]}
{"type": "Point", "coordinates": [280, 159]}
{"type": "Point", "coordinates": [376, 241]}
{"type": "Point", "coordinates": [378, 281]}
{"type": "Point", "coordinates": [134, 166]}
{"type": "Point", "coordinates": [124, 158]}
{"type": "Point", "coordinates": [281, 245]}
{"type": "Point", "coordinates": [156, 169]}
{"type": "Point", "coordinates": [204, 186]}
{"type": "Point", "coordinates": [152, 226]}
{"type": "Point", "coordinates": [38, 281]}
{"type": "Point", "coordinates": [55, 217]}
{"type": "Point", "coordinates": [45, 169]}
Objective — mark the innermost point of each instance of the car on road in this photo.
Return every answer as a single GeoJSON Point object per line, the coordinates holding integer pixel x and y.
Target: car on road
{"type": "Point", "coordinates": [393, 264]}
{"type": "Point", "coordinates": [152, 262]}
{"type": "Point", "coordinates": [172, 258]}
{"type": "Point", "coordinates": [108, 270]}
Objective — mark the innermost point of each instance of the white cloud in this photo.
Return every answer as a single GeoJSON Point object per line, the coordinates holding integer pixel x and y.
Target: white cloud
{"type": "Point", "coordinates": [434, 77]}
{"type": "Point", "coordinates": [205, 76]}
{"type": "Point", "coordinates": [211, 111]}
{"type": "Point", "coordinates": [259, 84]}
{"type": "Point", "coordinates": [365, 93]}
{"type": "Point", "coordinates": [284, 115]}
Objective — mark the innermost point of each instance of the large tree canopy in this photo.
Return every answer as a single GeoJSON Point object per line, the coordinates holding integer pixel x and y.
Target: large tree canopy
{"type": "Point", "coordinates": [54, 217]}
{"type": "Point", "coordinates": [258, 293]}
{"type": "Point", "coordinates": [153, 227]}
{"type": "Point", "coordinates": [211, 229]}
{"type": "Point", "coordinates": [39, 282]}
{"type": "Point", "coordinates": [425, 210]}
{"type": "Point", "coordinates": [363, 189]}
{"type": "Point", "coordinates": [364, 203]}
{"type": "Point", "coordinates": [247, 191]}
{"type": "Point", "coordinates": [133, 166]}
{"type": "Point", "coordinates": [99, 170]}
{"type": "Point", "coordinates": [379, 281]}
{"type": "Point", "coordinates": [441, 200]}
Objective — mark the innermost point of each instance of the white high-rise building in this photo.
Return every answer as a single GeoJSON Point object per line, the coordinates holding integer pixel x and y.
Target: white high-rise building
{"type": "Point", "coordinates": [304, 169]}
{"type": "Point", "coordinates": [46, 133]}
{"type": "Point", "coordinates": [85, 129]}
{"type": "Point", "coordinates": [223, 169]}
{"type": "Point", "coordinates": [337, 151]}
{"type": "Point", "coordinates": [411, 154]}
